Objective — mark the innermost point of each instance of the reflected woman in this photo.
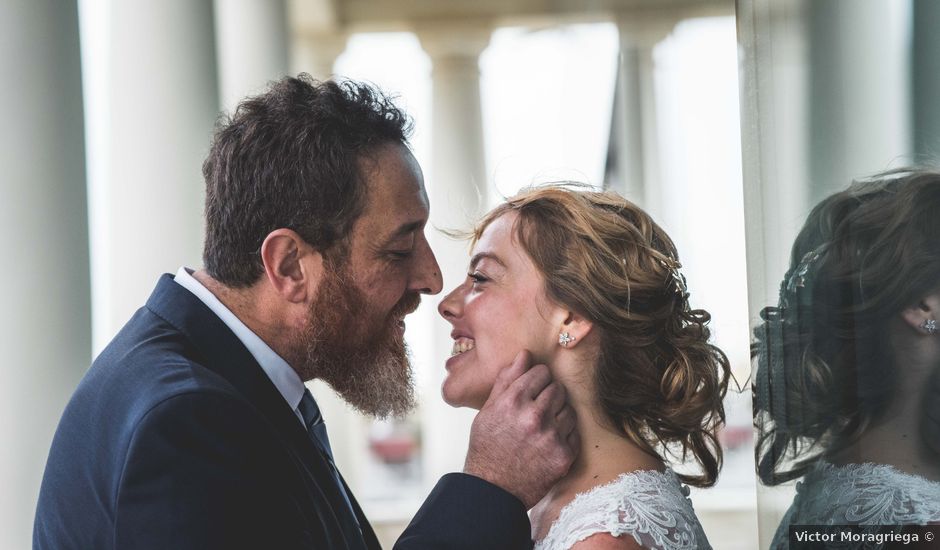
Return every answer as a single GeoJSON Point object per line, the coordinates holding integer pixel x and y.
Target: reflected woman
{"type": "Point", "coordinates": [590, 285]}
{"type": "Point", "coordinates": [846, 359]}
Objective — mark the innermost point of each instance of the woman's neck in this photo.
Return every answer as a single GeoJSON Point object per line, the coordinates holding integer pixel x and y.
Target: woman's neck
{"type": "Point", "coordinates": [604, 455]}
{"type": "Point", "coordinates": [895, 438]}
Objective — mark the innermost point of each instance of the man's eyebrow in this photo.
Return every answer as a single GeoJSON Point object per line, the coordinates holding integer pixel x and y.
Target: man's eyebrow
{"type": "Point", "coordinates": [404, 229]}
{"type": "Point", "coordinates": [477, 258]}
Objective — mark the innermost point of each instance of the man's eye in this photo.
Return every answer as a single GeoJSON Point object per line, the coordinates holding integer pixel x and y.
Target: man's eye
{"type": "Point", "coordinates": [399, 254]}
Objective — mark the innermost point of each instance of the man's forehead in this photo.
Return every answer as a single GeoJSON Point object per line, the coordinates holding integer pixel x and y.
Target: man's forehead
{"type": "Point", "coordinates": [395, 195]}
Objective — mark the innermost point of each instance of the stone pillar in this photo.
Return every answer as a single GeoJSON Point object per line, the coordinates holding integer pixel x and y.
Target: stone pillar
{"type": "Point", "coordinates": [634, 125]}
{"type": "Point", "coordinates": [775, 133]}
{"type": "Point", "coordinates": [45, 327]}
{"type": "Point", "coordinates": [925, 73]}
{"type": "Point", "coordinates": [859, 90]}
{"type": "Point", "coordinates": [161, 100]}
{"type": "Point", "coordinates": [251, 45]}
{"type": "Point", "coordinates": [457, 187]}
{"type": "Point", "coordinates": [775, 137]}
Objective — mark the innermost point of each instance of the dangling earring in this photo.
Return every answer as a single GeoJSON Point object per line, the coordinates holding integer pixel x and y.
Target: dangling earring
{"type": "Point", "coordinates": [930, 325]}
{"type": "Point", "coordinates": [564, 339]}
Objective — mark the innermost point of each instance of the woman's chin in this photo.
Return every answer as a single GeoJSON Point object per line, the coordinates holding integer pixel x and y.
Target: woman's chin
{"type": "Point", "coordinates": [458, 399]}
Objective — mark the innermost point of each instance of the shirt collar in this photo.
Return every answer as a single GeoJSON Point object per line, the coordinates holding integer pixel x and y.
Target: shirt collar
{"type": "Point", "coordinates": [284, 378]}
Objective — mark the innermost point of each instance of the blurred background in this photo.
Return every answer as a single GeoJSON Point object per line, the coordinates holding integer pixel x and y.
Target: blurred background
{"type": "Point", "coordinates": [110, 105]}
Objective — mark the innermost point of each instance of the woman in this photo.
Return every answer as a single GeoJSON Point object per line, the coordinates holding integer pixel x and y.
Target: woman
{"type": "Point", "coordinates": [848, 359]}
{"type": "Point", "coordinates": [590, 285]}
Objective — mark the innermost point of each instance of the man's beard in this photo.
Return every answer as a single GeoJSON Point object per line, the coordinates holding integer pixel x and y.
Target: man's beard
{"type": "Point", "coordinates": [359, 352]}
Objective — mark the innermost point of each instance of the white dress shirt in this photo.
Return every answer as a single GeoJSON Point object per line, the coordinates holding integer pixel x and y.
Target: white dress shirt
{"type": "Point", "coordinates": [284, 378]}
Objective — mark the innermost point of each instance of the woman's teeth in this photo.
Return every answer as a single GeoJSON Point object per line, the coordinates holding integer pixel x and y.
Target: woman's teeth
{"type": "Point", "coordinates": [461, 345]}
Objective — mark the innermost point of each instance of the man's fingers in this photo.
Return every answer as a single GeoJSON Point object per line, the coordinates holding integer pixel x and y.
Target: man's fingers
{"type": "Point", "coordinates": [567, 421]}
{"type": "Point", "coordinates": [574, 442]}
{"type": "Point", "coordinates": [518, 367]}
{"type": "Point", "coordinates": [552, 399]}
{"type": "Point", "coordinates": [533, 381]}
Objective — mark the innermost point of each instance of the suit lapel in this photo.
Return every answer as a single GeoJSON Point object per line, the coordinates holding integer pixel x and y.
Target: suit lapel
{"type": "Point", "coordinates": [368, 534]}
{"type": "Point", "coordinates": [222, 352]}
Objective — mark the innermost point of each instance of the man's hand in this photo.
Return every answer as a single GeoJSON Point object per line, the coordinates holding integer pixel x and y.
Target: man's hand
{"type": "Point", "coordinates": [524, 438]}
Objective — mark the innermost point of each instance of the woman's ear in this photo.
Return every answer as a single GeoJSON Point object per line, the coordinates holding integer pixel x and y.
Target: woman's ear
{"type": "Point", "coordinates": [922, 316]}
{"type": "Point", "coordinates": [574, 330]}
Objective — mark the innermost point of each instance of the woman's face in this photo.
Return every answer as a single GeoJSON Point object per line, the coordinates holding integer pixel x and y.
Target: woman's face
{"type": "Point", "coordinates": [499, 310]}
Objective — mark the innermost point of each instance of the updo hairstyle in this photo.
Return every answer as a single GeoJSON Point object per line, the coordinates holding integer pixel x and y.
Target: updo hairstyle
{"type": "Point", "coordinates": [825, 366]}
{"type": "Point", "coordinates": [658, 379]}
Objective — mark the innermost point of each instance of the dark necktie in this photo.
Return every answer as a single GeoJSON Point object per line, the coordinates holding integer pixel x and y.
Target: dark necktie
{"type": "Point", "coordinates": [316, 428]}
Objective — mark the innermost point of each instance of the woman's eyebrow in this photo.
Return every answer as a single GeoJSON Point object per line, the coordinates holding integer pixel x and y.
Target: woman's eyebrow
{"type": "Point", "coordinates": [478, 257]}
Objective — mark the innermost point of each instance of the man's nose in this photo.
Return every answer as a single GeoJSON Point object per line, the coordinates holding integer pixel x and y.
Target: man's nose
{"type": "Point", "coordinates": [428, 279]}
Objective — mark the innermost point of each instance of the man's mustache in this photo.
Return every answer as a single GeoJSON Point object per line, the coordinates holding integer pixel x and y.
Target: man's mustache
{"type": "Point", "coordinates": [408, 304]}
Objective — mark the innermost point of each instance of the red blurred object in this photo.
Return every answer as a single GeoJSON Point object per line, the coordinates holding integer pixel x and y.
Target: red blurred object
{"type": "Point", "coordinates": [732, 437]}
{"type": "Point", "coordinates": [395, 449]}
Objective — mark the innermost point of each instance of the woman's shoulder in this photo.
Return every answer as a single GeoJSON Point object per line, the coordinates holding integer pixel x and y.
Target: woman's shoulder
{"type": "Point", "coordinates": [866, 493]}
{"type": "Point", "coordinates": [860, 494]}
{"type": "Point", "coordinates": [648, 506]}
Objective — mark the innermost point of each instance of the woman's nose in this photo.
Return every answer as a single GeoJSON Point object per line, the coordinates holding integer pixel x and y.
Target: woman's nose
{"type": "Point", "coordinates": [449, 307]}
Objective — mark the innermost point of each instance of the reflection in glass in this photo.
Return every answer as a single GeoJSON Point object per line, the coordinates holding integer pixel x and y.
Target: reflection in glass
{"type": "Point", "coordinates": [846, 382]}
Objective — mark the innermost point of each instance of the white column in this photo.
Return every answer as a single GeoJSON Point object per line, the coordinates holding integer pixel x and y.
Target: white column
{"type": "Point", "coordinates": [635, 125]}
{"type": "Point", "coordinates": [925, 74]}
{"type": "Point", "coordinates": [251, 45]}
{"type": "Point", "coordinates": [775, 127]}
{"type": "Point", "coordinates": [316, 52]}
{"type": "Point", "coordinates": [860, 89]}
{"type": "Point", "coordinates": [775, 140]}
{"type": "Point", "coordinates": [457, 185]}
{"type": "Point", "coordinates": [161, 101]}
{"type": "Point", "coordinates": [45, 324]}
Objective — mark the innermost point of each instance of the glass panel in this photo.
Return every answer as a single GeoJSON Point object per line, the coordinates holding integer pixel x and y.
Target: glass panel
{"type": "Point", "coordinates": [843, 260]}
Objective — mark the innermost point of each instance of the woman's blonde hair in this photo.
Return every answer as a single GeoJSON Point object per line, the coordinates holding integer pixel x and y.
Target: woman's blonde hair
{"type": "Point", "coordinates": [657, 379]}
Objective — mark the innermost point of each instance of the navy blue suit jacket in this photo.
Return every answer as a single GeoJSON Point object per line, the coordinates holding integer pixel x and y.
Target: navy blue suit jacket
{"type": "Point", "coordinates": [176, 439]}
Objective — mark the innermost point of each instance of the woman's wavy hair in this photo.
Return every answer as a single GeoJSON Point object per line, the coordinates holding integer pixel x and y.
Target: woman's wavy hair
{"type": "Point", "coordinates": [658, 379]}
{"type": "Point", "coordinates": [825, 367]}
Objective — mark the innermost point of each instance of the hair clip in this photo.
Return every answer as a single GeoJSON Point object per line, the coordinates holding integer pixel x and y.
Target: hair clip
{"type": "Point", "coordinates": [678, 279]}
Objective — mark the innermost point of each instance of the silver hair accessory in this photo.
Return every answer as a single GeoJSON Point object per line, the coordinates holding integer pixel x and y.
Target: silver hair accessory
{"type": "Point", "coordinates": [930, 325]}
{"type": "Point", "coordinates": [798, 277]}
{"type": "Point", "coordinates": [678, 279]}
{"type": "Point", "coordinates": [564, 339]}
{"type": "Point", "coordinates": [797, 283]}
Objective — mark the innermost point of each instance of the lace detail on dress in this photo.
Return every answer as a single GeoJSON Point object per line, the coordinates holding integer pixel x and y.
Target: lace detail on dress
{"type": "Point", "coordinates": [652, 507]}
{"type": "Point", "coordinates": [860, 494]}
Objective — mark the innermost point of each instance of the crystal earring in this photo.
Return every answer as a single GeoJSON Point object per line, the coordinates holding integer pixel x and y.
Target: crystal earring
{"type": "Point", "coordinates": [564, 339]}
{"type": "Point", "coordinates": [930, 326]}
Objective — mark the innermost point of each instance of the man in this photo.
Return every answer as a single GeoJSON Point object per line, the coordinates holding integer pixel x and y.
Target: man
{"type": "Point", "coordinates": [193, 428]}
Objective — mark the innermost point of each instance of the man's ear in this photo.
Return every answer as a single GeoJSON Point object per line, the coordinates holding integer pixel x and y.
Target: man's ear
{"type": "Point", "coordinates": [293, 268]}
{"type": "Point", "coordinates": [577, 327]}
{"type": "Point", "coordinates": [924, 314]}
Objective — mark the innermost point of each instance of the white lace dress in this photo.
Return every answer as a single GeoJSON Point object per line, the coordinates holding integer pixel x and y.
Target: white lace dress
{"type": "Point", "coordinates": [860, 494]}
{"type": "Point", "coordinates": [652, 507]}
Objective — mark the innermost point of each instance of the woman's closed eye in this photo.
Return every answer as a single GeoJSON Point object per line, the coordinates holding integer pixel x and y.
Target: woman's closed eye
{"type": "Point", "coordinates": [477, 278]}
